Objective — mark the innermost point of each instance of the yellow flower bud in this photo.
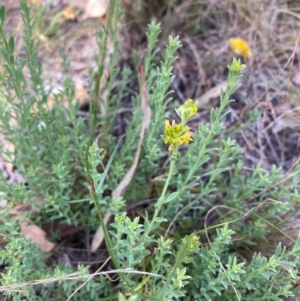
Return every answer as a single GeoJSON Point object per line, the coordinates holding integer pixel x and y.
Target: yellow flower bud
{"type": "Point", "coordinates": [187, 110]}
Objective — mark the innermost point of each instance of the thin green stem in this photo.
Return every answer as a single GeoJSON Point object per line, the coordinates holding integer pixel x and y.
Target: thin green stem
{"type": "Point", "coordinates": [211, 134]}
{"type": "Point", "coordinates": [108, 240]}
{"type": "Point", "coordinates": [161, 200]}
{"type": "Point", "coordinates": [95, 103]}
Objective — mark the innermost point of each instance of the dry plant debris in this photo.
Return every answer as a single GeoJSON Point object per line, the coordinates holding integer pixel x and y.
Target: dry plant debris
{"type": "Point", "coordinates": [32, 232]}
{"type": "Point", "coordinates": [95, 9]}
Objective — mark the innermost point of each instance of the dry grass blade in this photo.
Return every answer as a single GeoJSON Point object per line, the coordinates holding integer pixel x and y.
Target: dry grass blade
{"type": "Point", "coordinates": [72, 276]}
{"type": "Point", "coordinates": [37, 236]}
{"type": "Point", "coordinates": [145, 124]}
{"type": "Point", "coordinates": [93, 275]}
{"type": "Point", "coordinates": [211, 93]}
{"type": "Point", "coordinates": [99, 235]}
{"type": "Point", "coordinates": [121, 188]}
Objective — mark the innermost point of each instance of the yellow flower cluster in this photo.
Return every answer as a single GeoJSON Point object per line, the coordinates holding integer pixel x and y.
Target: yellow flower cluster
{"type": "Point", "coordinates": [240, 47]}
{"type": "Point", "coordinates": [178, 134]}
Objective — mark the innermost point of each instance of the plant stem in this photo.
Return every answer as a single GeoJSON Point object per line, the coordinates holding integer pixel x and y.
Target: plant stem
{"type": "Point", "coordinates": [161, 200]}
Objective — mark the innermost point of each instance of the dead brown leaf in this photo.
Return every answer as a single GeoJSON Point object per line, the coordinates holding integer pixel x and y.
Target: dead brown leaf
{"type": "Point", "coordinates": [32, 232]}
{"type": "Point", "coordinates": [37, 236]}
{"type": "Point", "coordinates": [95, 9]}
{"type": "Point", "coordinates": [211, 93]}
{"type": "Point", "coordinates": [23, 208]}
{"type": "Point", "coordinates": [121, 188]}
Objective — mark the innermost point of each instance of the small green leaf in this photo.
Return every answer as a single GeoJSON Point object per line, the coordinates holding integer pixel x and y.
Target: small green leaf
{"type": "Point", "coordinates": [11, 44]}
{"type": "Point", "coordinates": [103, 176]}
{"type": "Point", "coordinates": [171, 197]}
{"type": "Point", "coordinates": [2, 14]}
{"type": "Point", "coordinates": [12, 59]}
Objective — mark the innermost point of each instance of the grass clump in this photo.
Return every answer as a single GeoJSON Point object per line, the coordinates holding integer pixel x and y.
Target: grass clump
{"type": "Point", "coordinates": [188, 219]}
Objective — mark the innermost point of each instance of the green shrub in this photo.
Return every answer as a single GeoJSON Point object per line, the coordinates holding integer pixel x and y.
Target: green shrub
{"type": "Point", "coordinates": [173, 250]}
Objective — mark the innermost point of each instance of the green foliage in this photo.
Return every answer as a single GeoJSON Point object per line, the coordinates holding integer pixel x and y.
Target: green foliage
{"type": "Point", "coordinates": [170, 251]}
{"type": "Point", "coordinates": [26, 271]}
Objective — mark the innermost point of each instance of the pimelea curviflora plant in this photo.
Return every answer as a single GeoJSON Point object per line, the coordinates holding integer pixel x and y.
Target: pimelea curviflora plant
{"type": "Point", "coordinates": [155, 255]}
